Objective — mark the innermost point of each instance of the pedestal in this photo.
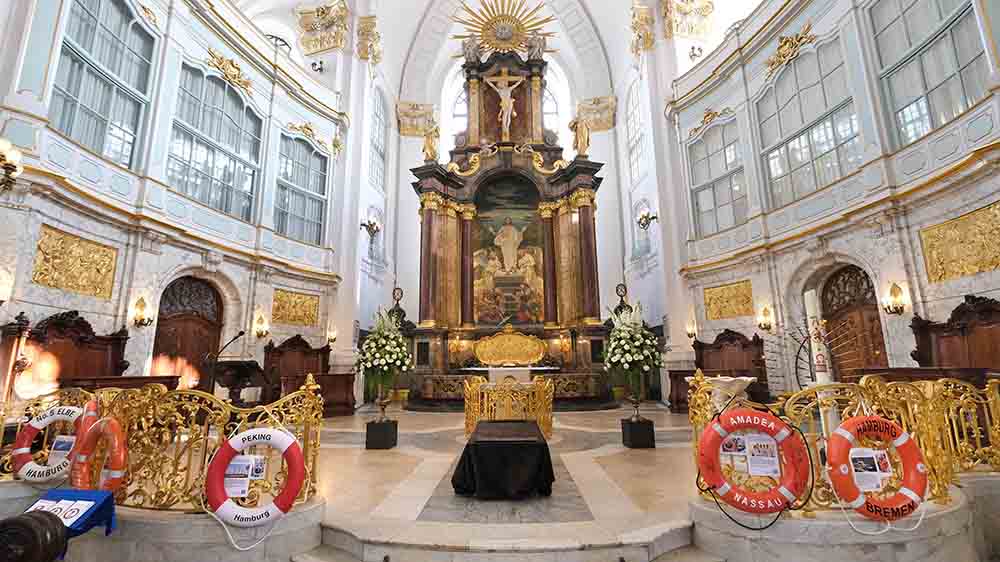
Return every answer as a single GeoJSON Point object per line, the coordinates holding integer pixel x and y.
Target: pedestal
{"type": "Point", "coordinates": [381, 435]}
{"type": "Point", "coordinates": [638, 434]}
{"type": "Point", "coordinates": [725, 388]}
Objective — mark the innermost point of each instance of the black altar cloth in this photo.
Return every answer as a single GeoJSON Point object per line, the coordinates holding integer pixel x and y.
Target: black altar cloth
{"type": "Point", "coordinates": [504, 460]}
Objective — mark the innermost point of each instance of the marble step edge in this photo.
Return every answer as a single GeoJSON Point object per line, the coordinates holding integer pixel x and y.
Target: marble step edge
{"type": "Point", "coordinates": [643, 545]}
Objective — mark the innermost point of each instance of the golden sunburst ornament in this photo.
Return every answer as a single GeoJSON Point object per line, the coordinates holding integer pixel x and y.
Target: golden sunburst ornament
{"type": "Point", "coordinates": [503, 26]}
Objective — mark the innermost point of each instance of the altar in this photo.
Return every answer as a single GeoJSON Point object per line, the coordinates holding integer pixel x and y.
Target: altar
{"type": "Point", "coordinates": [522, 375]}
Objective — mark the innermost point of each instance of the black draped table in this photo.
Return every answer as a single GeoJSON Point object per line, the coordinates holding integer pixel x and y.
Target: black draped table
{"type": "Point", "coordinates": [504, 460]}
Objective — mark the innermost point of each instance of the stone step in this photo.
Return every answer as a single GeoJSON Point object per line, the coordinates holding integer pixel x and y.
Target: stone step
{"type": "Point", "coordinates": [686, 554]}
{"type": "Point", "coordinates": [325, 554]}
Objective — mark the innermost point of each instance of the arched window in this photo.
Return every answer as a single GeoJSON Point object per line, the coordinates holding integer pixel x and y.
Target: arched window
{"type": "Point", "coordinates": [635, 133]}
{"type": "Point", "coordinates": [300, 201]}
{"type": "Point", "coordinates": [550, 110]}
{"type": "Point", "coordinates": [934, 64]}
{"type": "Point", "coordinates": [215, 150]}
{"type": "Point", "coordinates": [808, 125]}
{"type": "Point", "coordinates": [719, 191]}
{"type": "Point", "coordinates": [377, 158]}
{"type": "Point", "coordinates": [101, 87]}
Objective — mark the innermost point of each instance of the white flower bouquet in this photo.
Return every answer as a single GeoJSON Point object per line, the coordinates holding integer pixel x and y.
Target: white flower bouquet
{"type": "Point", "coordinates": [383, 356]}
{"type": "Point", "coordinates": [633, 351]}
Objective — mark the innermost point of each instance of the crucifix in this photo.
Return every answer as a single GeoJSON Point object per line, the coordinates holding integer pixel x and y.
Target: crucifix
{"type": "Point", "coordinates": [504, 85]}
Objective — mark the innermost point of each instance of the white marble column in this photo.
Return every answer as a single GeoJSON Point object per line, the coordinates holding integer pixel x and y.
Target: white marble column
{"type": "Point", "coordinates": [821, 358]}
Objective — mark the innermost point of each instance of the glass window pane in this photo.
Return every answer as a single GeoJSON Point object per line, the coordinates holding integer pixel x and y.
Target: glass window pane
{"type": "Point", "coordinates": [906, 84]}
{"type": "Point", "coordinates": [717, 163]}
{"type": "Point", "coordinates": [785, 87]}
{"type": "Point", "coordinates": [836, 87]}
{"type": "Point", "coordinates": [822, 137]}
{"type": "Point", "coordinates": [725, 217]}
{"type": "Point", "coordinates": [845, 122]}
{"type": "Point", "coordinates": [698, 151]}
{"type": "Point", "coordinates": [947, 101]}
{"type": "Point", "coordinates": [939, 61]}
{"type": "Point", "coordinates": [766, 106]}
{"type": "Point", "coordinates": [892, 43]}
{"type": "Point", "coordinates": [807, 69]}
{"type": "Point", "coordinates": [829, 56]}
{"type": "Point", "coordinates": [799, 152]}
{"type": "Point", "coordinates": [723, 194]}
{"type": "Point", "coordinates": [700, 172]}
{"type": "Point", "coordinates": [827, 169]}
{"type": "Point", "coordinates": [813, 103]}
{"type": "Point", "coordinates": [914, 121]}
{"type": "Point", "coordinates": [777, 162]}
{"type": "Point", "coordinates": [850, 155]}
{"type": "Point", "coordinates": [921, 19]}
{"type": "Point", "coordinates": [705, 200]}
{"type": "Point", "coordinates": [769, 131]}
{"type": "Point", "coordinates": [781, 189]}
{"type": "Point", "coordinates": [713, 138]}
{"type": "Point", "coordinates": [803, 181]}
{"type": "Point", "coordinates": [732, 156]}
{"type": "Point", "coordinates": [974, 77]}
{"type": "Point", "coordinates": [708, 224]}
{"type": "Point", "coordinates": [883, 13]}
{"type": "Point", "coordinates": [968, 40]}
{"type": "Point", "coordinates": [740, 211]}
{"type": "Point", "coordinates": [791, 118]}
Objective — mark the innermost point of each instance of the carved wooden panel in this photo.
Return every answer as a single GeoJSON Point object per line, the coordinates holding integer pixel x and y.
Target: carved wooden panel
{"type": "Point", "coordinates": [729, 301]}
{"type": "Point", "coordinates": [70, 263]}
{"type": "Point", "coordinates": [967, 340]}
{"type": "Point", "coordinates": [848, 287]}
{"type": "Point", "coordinates": [963, 246]}
{"type": "Point", "coordinates": [190, 295]}
{"type": "Point", "coordinates": [295, 309]}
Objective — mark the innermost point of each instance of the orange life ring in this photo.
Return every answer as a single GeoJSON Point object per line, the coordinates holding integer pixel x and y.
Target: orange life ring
{"type": "Point", "coordinates": [914, 484]}
{"type": "Point", "coordinates": [80, 473]}
{"type": "Point", "coordinates": [794, 459]}
{"type": "Point", "coordinates": [215, 490]}
{"type": "Point", "coordinates": [24, 465]}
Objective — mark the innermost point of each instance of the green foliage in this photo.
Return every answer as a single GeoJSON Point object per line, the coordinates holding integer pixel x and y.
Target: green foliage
{"type": "Point", "coordinates": [384, 354]}
{"type": "Point", "coordinates": [633, 351]}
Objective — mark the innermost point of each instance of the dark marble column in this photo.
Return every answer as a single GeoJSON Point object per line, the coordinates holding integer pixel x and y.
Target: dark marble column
{"type": "Point", "coordinates": [468, 212]}
{"type": "Point", "coordinates": [429, 203]}
{"type": "Point", "coordinates": [583, 201]}
{"type": "Point", "coordinates": [547, 210]}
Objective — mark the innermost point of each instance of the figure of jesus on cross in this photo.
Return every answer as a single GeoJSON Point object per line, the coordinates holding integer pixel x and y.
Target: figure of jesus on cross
{"type": "Point", "coordinates": [505, 84]}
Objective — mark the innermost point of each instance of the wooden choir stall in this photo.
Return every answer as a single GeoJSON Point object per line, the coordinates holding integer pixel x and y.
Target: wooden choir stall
{"type": "Point", "coordinates": [731, 354]}
{"type": "Point", "coordinates": [288, 364]}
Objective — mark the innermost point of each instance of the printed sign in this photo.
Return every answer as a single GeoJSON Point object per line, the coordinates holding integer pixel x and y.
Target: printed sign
{"type": "Point", "coordinates": [61, 507]}
{"type": "Point", "coordinates": [871, 468]}
{"type": "Point", "coordinates": [74, 512]}
{"type": "Point", "coordinates": [41, 505]}
{"type": "Point", "coordinates": [61, 446]}
{"type": "Point", "coordinates": [258, 467]}
{"type": "Point", "coordinates": [237, 479]}
{"type": "Point", "coordinates": [763, 456]}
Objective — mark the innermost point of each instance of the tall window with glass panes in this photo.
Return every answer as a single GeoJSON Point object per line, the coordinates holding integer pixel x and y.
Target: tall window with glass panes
{"type": "Point", "coordinates": [215, 145]}
{"type": "Point", "coordinates": [635, 133]}
{"type": "Point", "coordinates": [717, 180]}
{"type": "Point", "coordinates": [300, 199]}
{"type": "Point", "coordinates": [102, 83]}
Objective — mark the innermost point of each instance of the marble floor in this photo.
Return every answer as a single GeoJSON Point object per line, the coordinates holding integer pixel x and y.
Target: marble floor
{"type": "Point", "coordinates": [604, 493]}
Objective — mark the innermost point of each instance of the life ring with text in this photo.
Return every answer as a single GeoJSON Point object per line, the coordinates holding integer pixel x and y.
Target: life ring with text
{"type": "Point", "coordinates": [793, 458]}
{"type": "Point", "coordinates": [914, 483]}
{"type": "Point", "coordinates": [24, 465]}
{"type": "Point", "coordinates": [113, 476]}
{"type": "Point", "coordinates": [225, 508]}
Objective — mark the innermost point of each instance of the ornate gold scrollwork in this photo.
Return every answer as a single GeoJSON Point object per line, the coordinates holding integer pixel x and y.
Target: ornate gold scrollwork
{"type": "Point", "coordinates": [509, 348]}
{"type": "Point", "coordinates": [729, 301]}
{"type": "Point", "coordinates": [369, 40]}
{"type": "Point", "coordinates": [307, 130]}
{"type": "Point", "coordinates": [643, 36]}
{"type": "Point", "coordinates": [963, 246]}
{"type": "Point", "coordinates": [538, 161]}
{"type": "Point", "coordinates": [709, 117]}
{"type": "Point", "coordinates": [788, 49]}
{"type": "Point", "coordinates": [296, 309]}
{"type": "Point", "coordinates": [475, 161]}
{"type": "Point", "coordinates": [70, 263]}
{"type": "Point", "coordinates": [230, 70]}
{"type": "Point", "coordinates": [324, 27]}
{"type": "Point", "coordinates": [509, 400]}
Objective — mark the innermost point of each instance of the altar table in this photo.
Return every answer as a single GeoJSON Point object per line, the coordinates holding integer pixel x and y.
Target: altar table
{"type": "Point", "coordinates": [504, 460]}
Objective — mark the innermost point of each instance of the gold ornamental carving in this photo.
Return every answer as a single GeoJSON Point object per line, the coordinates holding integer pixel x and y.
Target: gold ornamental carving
{"type": "Point", "coordinates": [598, 112]}
{"type": "Point", "coordinates": [963, 246]}
{"type": "Point", "coordinates": [324, 28]}
{"type": "Point", "coordinates": [475, 161]}
{"type": "Point", "coordinates": [295, 309]}
{"type": "Point", "coordinates": [230, 70]}
{"type": "Point", "coordinates": [582, 197]}
{"type": "Point", "coordinates": [710, 116]}
{"type": "Point", "coordinates": [369, 40]}
{"type": "Point", "coordinates": [431, 200]}
{"type": "Point", "coordinates": [505, 26]}
{"type": "Point", "coordinates": [538, 161]}
{"type": "Point", "coordinates": [687, 18]}
{"type": "Point", "coordinates": [150, 16]}
{"type": "Point", "coordinates": [70, 263]}
{"type": "Point", "coordinates": [548, 209]}
{"type": "Point", "coordinates": [788, 49]}
{"type": "Point", "coordinates": [466, 210]}
{"type": "Point", "coordinates": [307, 130]}
{"type": "Point", "coordinates": [729, 301]}
{"type": "Point", "coordinates": [643, 34]}
{"type": "Point", "coordinates": [509, 349]}
{"type": "Point", "coordinates": [415, 119]}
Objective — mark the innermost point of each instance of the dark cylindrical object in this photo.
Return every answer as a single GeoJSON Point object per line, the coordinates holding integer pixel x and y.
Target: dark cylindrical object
{"type": "Point", "coordinates": [36, 536]}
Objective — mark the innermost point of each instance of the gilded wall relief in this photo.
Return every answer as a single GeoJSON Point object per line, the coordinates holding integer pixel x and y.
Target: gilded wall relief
{"type": "Point", "coordinates": [324, 28]}
{"type": "Point", "coordinates": [963, 246]}
{"type": "Point", "coordinates": [788, 49]}
{"type": "Point", "coordinates": [729, 301]}
{"type": "Point", "coordinates": [369, 40]}
{"type": "Point", "coordinates": [230, 70]}
{"type": "Point", "coordinates": [687, 18]}
{"type": "Point", "coordinates": [70, 263]}
{"type": "Point", "coordinates": [295, 309]}
{"type": "Point", "coordinates": [415, 119]}
{"type": "Point", "coordinates": [508, 284]}
{"type": "Point", "coordinates": [598, 112]}
{"type": "Point", "coordinates": [643, 35]}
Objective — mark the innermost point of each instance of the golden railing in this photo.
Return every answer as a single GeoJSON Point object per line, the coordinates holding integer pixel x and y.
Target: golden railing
{"type": "Point", "coordinates": [172, 436]}
{"type": "Point", "coordinates": [954, 423]}
{"type": "Point", "coordinates": [509, 400]}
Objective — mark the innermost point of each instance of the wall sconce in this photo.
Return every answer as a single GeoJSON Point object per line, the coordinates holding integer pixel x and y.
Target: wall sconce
{"type": "Point", "coordinates": [764, 322]}
{"type": "Point", "coordinates": [10, 162]}
{"type": "Point", "coordinates": [692, 332]}
{"type": "Point", "coordinates": [317, 66]}
{"type": "Point", "coordinates": [894, 304]}
{"type": "Point", "coordinates": [646, 220]}
{"type": "Point", "coordinates": [140, 320]}
{"type": "Point", "coordinates": [695, 53]}
{"type": "Point", "coordinates": [331, 337]}
{"type": "Point", "coordinates": [260, 327]}
{"type": "Point", "coordinates": [372, 228]}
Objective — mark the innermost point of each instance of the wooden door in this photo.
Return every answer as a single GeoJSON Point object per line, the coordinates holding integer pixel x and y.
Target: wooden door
{"type": "Point", "coordinates": [853, 324]}
{"type": "Point", "coordinates": [188, 329]}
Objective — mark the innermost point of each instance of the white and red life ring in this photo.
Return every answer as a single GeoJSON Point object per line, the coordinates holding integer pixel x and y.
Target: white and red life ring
{"type": "Point", "coordinates": [215, 490]}
{"type": "Point", "coordinates": [110, 430]}
{"type": "Point", "coordinates": [914, 485]}
{"type": "Point", "coordinates": [794, 459]}
{"type": "Point", "coordinates": [24, 465]}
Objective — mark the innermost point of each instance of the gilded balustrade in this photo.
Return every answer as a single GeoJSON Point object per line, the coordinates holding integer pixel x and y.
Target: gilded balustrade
{"type": "Point", "coordinates": [955, 424]}
{"type": "Point", "coordinates": [509, 400]}
{"type": "Point", "coordinates": [172, 436]}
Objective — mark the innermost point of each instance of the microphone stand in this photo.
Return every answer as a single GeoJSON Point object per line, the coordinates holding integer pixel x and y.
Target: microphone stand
{"type": "Point", "coordinates": [214, 358]}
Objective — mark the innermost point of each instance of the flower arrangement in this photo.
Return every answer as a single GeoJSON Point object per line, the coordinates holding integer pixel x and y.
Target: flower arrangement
{"type": "Point", "coordinates": [383, 356]}
{"type": "Point", "coordinates": [633, 351]}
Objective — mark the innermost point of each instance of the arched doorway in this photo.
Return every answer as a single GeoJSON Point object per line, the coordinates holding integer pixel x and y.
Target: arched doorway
{"type": "Point", "coordinates": [850, 309]}
{"type": "Point", "coordinates": [189, 327]}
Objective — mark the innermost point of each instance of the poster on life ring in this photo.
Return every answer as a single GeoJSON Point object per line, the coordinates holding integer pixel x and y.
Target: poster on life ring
{"type": "Point", "coordinates": [763, 456]}
{"type": "Point", "coordinates": [237, 479]}
{"type": "Point", "coordinates": [871, 468]}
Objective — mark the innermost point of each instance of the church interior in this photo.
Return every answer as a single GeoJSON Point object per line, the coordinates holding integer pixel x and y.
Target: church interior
{"type": "Point", "coordinates": [500, 280]}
